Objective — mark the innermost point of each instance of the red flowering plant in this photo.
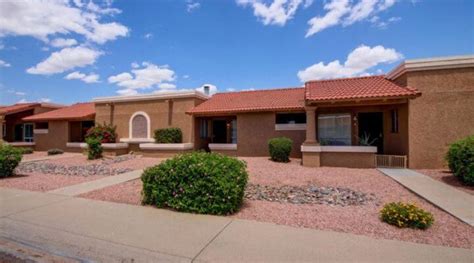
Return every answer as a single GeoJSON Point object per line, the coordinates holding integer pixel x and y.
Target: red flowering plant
{"type": "Point", "coordinates": [105, 133]}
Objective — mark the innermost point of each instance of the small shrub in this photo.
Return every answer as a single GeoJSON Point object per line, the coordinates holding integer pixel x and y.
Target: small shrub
{"type": "Point", "coordinates": [199, 182]}
{"type": "Point", "coordinates": [406, 215]}
{"type": "Point", "coordinates": [460, 159]}
{"type": "Point", "coordinates": [168, 135]}
{"type": "Point", "coordinates": [26, 150]}
{"type": "Point", "coordinates": [105, 133]}
{"type": "Point", "coordinates": [94, 149]}
{"type": "Point", "coordinates": [280, 149]}
{"type": "Point", "coordinates": [10, 157]}
{"type": "Point", "coordinates": [55, 151]}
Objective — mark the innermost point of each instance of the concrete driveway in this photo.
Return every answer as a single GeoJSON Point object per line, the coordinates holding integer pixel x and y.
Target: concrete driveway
{"type": "Point", "coordinates": [81, 230]}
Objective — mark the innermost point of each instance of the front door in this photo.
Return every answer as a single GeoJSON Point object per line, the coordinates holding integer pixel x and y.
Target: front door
{"type": "Point", "coordinates": [18, 133]}
{"type": "Point", "coordinates": [371, 129]}
{"type": "Point", "coordinates": [219, 131]}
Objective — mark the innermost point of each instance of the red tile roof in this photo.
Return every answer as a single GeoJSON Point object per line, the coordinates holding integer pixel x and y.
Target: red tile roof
{"type": "Point", "coordinates": [250, 101]}
{"type": "Point", "coordinates": [356, 88]}
{"type": "Point", "coordinates": [74, 112]}
{"type": "Point", "coordinates": [19, 107]}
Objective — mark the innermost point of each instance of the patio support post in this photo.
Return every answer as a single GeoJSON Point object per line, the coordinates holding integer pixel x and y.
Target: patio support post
{"type": "Point", "coordinates": [311, 126]}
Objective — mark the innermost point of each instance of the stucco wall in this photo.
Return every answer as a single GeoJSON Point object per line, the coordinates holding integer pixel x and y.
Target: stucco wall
{"type": "Point", "coordinates": [443, 114]}
{"type": "Point", "coordinates": [57, 137]}
{"type": "Point", "coordinates": [255, 129]}
{"type": "Point", "coordinates": [162, 115]}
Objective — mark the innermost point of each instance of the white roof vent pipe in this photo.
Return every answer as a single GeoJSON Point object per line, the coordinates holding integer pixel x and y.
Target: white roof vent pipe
{"type": "Point", "coordinates": [207, 89]}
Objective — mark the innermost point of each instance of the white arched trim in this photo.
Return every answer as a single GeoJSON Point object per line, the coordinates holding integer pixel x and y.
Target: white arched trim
{"type": "Point", "coordinates": [130, 127]}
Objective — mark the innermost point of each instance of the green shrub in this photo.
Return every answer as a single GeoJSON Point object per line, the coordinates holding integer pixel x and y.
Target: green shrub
{"type": "Point", "coordinates": [26, 150]}
{"type": "Point", "coordinates": [10, 157]}
{"type": "Point", "coordinates": [94, 148]}
{"type": "Point", "coordinates": [55, 151]}
{"type": "Point", "coordinates": [105, 133]}
{"type": "Point", "coordinates": [460, 159]}
{"type": "Point", "coordinates": [280, 149]}
{"type": "Point", "coordinates": [199, 182]}
{"type": "Point", "coordinates": [168, 135]}
{"type": "Point", "coordinates": [406, 215]}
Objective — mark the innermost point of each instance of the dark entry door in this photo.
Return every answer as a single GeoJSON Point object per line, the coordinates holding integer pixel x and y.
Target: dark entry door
{"type": "Point", "coordinates": [18, 133]}
{"type": "Point", "coordinates": [371, 129]}
{"type": "Point", "coordinates": [219, 131]}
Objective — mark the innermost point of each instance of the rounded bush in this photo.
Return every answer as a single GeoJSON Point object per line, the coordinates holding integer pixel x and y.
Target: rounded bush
{"type": "Point", "coordinates": [168, 135]}
{"type": "Point", "coordinates": [94, 149]}
{"type": "Point", "coordinates": [406, 215]}
{"type": "Point", "coordinates": [460, 158]}
{"type": "Point", "coordinates": [10, 157]}
{"type": "Point", "coordinates": [26, 150]}
{"type": "Point", "coordinates": [105, 133]}
{"type": "Point", "coordinates": [280, 149]}
{"type": "Point", "coordinates": [199, 182]}
{"type": "Point", "coordinates": [55, 151]}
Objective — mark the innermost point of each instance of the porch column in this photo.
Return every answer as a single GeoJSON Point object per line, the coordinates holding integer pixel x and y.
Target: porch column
{"type": "Point", "coordinates": [311, 126]}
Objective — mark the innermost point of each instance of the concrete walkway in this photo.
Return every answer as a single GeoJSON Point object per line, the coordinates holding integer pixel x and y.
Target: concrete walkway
{"type": "Point", "coordinates": [448, 198]}
{"type": "Point", "coordinates": [82, 188]}
{"type": "Point", "coordinates": [84, 230]}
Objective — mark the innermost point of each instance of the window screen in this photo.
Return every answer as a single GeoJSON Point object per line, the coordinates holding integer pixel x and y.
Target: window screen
{"type": "Point", "coordinates": [334, 129]}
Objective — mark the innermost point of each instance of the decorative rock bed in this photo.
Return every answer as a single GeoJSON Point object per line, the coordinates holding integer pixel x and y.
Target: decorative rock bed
{"type": "Point", "coordinates": [308, 195]}
{"type": "Point", "coordinates": [76, 170]}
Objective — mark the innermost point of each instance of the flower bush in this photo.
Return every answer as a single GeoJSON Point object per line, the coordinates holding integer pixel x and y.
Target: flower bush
{"type": "Point", "coordinates": [280, 149]}
{"type": "Point", "coordinates": [55, 151]}
{"type": "Point", "coordinates": [406, 215]}
{"type": "Point", "coordinates": [94, 148]}
{"type": "Point", "coordinates": [168, 135]}
{"type": "Point", "coordinates": [10, 157]}
{"type": "Point", "coordinates": [199, 182]}
{"type": "Point", "coordinates": [105, 133]}
{"type": "Point", "coordinates": [460, 159]}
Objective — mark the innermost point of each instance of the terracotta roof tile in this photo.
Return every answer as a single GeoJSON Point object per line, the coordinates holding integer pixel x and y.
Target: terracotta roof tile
{"type": "Point", "coordinates": [17, 108]}
{"type": "Point", "coordinates": [248, 101]}
{"type": "Point", "coordinates": [73, 112]}
{"type": "Point", "coordinates": [355, 88]}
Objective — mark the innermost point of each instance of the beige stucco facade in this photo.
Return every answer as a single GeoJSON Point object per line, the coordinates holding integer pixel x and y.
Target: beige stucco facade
{"type": "Point", "coordinates": [442, 115]}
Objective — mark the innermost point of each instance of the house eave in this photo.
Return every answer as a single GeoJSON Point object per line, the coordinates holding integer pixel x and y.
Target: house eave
{"type": "Point", "coordinates": [170, 95]}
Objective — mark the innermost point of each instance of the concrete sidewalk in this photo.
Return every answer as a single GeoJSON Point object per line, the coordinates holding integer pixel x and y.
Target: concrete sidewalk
{"type": "Point", "coordinates": [86, 230]}
{"type": "Point", "coordinates": [448, 198]}
{"type": "Point", "coordinates": [82, 188]}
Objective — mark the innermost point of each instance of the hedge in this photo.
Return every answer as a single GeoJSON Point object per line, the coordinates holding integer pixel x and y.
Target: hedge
{"type": "Point", "coordinates": [10, 157]}
{"type": "Point", "coordinates": [168, 135]}
{"type": "Point", "coordinates": [460, 158]}
{"type": "Point", "coordinates": [199, 182]}
{"type": "Point", "coordinates": [280, 149]}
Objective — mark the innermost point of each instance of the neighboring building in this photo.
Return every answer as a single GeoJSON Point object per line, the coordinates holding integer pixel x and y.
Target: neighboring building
{"type": "Point", "coordinates": [15, 130]}
{"type": "Point", "coordinates": [57, 128]}
{"type": "Point", "coordinates": [408, 117]}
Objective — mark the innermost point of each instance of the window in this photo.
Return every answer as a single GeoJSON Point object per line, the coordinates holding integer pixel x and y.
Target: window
{"type": "Point", "coordinates": [204, 129]}
{"type": "Point", "coordinates": [139, 125]}
{"type": "Point", "coordinates": [394, 118]}
{"type": "Point", "coordinates": [28, 132]}
{"type": "Point", "coordinates": [334, 129]}
{"type": "Point", "coordinates": [41, 125]}
{"type": "Point", "coordinates": [233, 134]}
{"type": "Point", "coordinates": [4, 130]}
{"type": "Point", "coordinates": [290, 118]}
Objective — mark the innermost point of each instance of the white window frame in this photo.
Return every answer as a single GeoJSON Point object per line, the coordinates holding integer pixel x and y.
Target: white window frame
{"type": "Point", "coordinates": [130, 127]}
{"type": "Point", "coordinates": [32, 138]}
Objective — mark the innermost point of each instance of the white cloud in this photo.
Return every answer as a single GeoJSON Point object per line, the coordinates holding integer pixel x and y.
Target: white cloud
{"type": "Point", "coordinates": [191, 5]}
{"type": "Point", "coordinates": [148, 35]}
{"type": "Point", "coordinates": [43, 19]}
{"type": "Point", "coordinates": [23, 101]}
{"type": "Point", "coordinates": [127, 92]}
{"type": "Point", "coordinates": [135, 65]}
{"type": "Point", "coordinates": [185, 76]}
{"type": "Point", "coordinates": [277, 12]}
{"type": "Point", "coordinates": [358, 62]}
{"type": "Point", "coordinates": [65, 59]}
{"type": "Point", "coordinates": [20, 93]}
{"type": "Point", "coordinates": [212, 88]}
{"type": "Point", "coordinates": [166, 86]}
{"type": "Point", "coordinates": [46, 100]}
{"type": "Point", "coordinates": [376, 21]}
{"type": "Point", "coordinates": [346, 12]}
{"type": "Point", "coordinates": [148, 76]}
{"type": "Point", "coordinates": [4, 64]}
{"type": "Point", "coordinates": [336, 10]}
{"type": "Point", "coordinates": [91, 78]}
{"type": "Point", "coordinates": [62, 42]}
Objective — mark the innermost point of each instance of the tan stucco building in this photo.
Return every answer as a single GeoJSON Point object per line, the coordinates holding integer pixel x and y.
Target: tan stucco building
{"type": "Point", "coordinates": [405, 118]}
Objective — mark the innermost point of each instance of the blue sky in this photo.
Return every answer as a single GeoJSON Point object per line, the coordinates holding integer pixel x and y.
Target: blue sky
{"type": "Point", "coordinates": [67, 52]}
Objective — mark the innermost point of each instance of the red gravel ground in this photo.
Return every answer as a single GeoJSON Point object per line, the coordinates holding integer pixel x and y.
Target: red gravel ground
{"type": "Point", "coordinates": [445, 176]}
{"type": "Point", "coordinates": [446, 231]}
{"type": "Point", "coordinates": [37, 155]}
{"type": "Point", "coordinates": [47, 182]}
